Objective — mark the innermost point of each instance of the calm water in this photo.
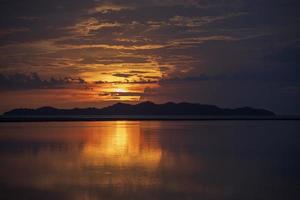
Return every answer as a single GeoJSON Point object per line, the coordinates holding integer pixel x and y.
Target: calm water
{"type": "Point", "coordinates": [150, 160]}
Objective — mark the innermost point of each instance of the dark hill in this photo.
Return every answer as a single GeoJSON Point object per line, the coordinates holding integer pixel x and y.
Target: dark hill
{"type": "Point", "coordinates": [144, 108]}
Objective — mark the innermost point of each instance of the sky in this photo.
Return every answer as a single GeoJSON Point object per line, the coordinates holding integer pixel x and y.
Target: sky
{"type": "Point", "coordinates": [92, 53]}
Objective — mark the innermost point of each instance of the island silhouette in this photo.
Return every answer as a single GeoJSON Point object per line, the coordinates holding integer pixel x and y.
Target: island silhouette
{"type": "Point", "coordinates": [144, 109]}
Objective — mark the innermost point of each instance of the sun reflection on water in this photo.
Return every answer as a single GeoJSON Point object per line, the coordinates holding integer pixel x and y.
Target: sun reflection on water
{"type": "Point", "coordinates": [122, 145]}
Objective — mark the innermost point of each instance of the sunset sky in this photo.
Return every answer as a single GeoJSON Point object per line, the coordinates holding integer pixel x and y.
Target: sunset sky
{"type": "Point", "coordinates": [92, 53]}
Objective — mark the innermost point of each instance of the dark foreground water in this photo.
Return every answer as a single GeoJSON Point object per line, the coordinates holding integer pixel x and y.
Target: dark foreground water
{"type": "Point", "coordinates": [211, 160]}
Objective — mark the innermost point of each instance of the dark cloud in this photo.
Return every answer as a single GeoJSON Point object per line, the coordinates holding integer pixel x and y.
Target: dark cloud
{"type": "Point", "coordinates": [151, 77]}
{"type": "Point", "coordinates": [33, 81]}
{"type": "Point", "coordinates": [123, 75]}
{"type": "Point", "coordinates": [138, 82]}
{"type": "Point", "coordinates": [290, 75]}
{"type": "Point", "coordinates": [45, 19]}
{"type": "Point", "coordinates": [138, 72]}
{"type": "Point", "coordinates": [289, 55]}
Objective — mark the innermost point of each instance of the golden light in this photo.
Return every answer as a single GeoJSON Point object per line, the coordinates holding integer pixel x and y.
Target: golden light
{"type": "Point", "coordinates": [120, 90]}
{"type": "Point", "coordinates": [122, 145]}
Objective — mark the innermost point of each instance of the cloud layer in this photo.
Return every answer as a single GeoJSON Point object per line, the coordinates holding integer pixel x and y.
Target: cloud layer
{"type": "Point", "coordinates": [33, 81]}
{"type": "Point", "coordinates": [150, 47]}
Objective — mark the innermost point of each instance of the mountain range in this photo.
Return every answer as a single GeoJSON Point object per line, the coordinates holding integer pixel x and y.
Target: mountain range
{"type": "Point", "coordinates": [144, 108]}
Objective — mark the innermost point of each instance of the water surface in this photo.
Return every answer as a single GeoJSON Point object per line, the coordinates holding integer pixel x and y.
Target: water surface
{"type": "Point", "coordinates": [150, 160]}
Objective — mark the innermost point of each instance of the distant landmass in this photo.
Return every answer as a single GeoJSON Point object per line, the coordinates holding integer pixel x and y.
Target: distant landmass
{"type": "Point", "coordinates": [144, 108]}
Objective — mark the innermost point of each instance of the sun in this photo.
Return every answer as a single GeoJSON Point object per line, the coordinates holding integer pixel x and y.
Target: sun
{"type": "Point", "coordinates": [119, 90]}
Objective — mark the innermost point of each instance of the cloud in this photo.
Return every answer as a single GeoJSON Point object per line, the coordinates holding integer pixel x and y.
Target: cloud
{"type": "Point", "coordinates": [10, 31]}
{"type": "Point", "coordinates": [20, 81]}
{"type": "Point", "coordinates": [121, 94]}
{"type": "Point", "coordinates": [134, 82]}
{"type": "Point", "coordinates": [138, 72]}
{"type": "Point", "coordinates": [152, 77]}
{"type": "Point", "coordinates": [264, 75]}
{"type": "Point", "coordinates": [123, 75]}
{"type": "Point", "coordinates": [290, 54]}
{"type": "Point", "coordinates": [107, 7]}
{"type": "Point", "coordinates": [182, 42]}
{"type": "Point", "coordinates": [90, 25]}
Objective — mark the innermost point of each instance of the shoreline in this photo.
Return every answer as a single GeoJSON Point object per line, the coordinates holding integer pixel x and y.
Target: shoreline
{"type": "Point", "coordinates": [4, 119]}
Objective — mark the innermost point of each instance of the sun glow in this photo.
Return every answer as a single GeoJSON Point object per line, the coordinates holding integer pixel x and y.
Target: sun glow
{"type": "Point", "coordinates": [120, 90]}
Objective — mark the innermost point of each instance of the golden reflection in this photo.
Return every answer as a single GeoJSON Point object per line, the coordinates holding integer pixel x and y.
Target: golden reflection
{"type": "Point", "coordinates": [122, 144]}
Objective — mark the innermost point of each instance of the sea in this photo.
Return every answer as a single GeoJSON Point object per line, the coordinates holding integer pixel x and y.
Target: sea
{"type": "Point", "coordinates": [149, 160]}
